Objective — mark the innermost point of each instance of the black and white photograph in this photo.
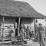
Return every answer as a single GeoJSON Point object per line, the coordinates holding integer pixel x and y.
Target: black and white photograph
{"type": "Point", "coordinates": [22, 22]}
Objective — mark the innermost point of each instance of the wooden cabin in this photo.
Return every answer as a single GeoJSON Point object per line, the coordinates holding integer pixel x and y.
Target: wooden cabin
{"type": "Point", "coordinates": [16, 12]}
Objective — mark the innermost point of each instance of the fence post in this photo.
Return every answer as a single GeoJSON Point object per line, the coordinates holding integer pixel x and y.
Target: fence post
{"type": "Point", "coordinates": [19, 26]}
{"type": "Point", "coordinates": [3, 29]}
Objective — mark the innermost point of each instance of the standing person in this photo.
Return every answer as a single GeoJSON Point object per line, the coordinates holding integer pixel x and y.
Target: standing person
{"type": "Point", "coordinates": [36, 32]}
{"type": "Point", "coordinates": [22, 32]}
{"type": "Point", "coordinates": [27, 32]}
{"type": "Point", "coordinates": [40, 29]}
{"type": "Point", "coordinates": [10, 34]}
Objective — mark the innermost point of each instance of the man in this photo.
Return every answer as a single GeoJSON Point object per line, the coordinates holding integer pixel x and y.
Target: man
{"type": "Point", "coordinates": [27, 32]}
{"type": "Point", "coordinates": [40, 29]}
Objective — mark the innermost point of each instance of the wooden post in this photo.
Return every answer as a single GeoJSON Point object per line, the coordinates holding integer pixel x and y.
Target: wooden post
{"type": "Point", "coordinates": [34, 26]}
{"type": "Point", "coordinates": [3, 28]}
{"type": "Point", "coordinates": [19, 26]}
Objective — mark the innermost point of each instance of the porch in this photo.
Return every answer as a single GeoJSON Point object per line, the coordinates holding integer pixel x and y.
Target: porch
{"type": "Point", "coordinates": [12, 23]}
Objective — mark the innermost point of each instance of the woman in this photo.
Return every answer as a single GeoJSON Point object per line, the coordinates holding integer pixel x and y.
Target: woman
{"type": "Point", "coordinates": [22, 32]}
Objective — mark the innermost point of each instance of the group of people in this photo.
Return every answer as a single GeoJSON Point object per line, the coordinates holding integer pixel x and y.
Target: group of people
{"type": "Point", "coordinates": [25, 32]}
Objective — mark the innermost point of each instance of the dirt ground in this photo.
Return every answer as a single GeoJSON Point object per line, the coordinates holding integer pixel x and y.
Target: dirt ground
{"type": "Point", "coordinates": [30, 43]}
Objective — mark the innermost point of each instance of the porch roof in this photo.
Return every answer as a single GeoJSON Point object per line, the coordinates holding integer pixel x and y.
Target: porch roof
{"type": "Point", "coordinates": [18, 9]}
